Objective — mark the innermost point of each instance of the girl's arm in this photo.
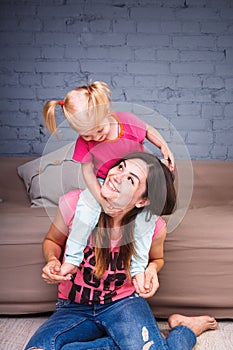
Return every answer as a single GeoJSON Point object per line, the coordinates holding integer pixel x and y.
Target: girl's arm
{"type": "Point", "coordinates": [156, 138]}
{"type": "Point", "coordinates": [94, 187]}
{"type": "Point", "coordinates": [156, 262]}
{"type": "Point", "coordinates": [91, 181]}
{"type": "Point", "coordinates": [53, 246]}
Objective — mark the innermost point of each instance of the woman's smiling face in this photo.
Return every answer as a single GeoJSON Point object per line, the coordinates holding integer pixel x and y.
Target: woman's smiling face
{"type": "Point", "coordinates": [125, 184]}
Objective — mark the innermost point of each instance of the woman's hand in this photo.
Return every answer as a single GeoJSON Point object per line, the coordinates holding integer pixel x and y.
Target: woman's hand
{"type": "Point", "coordinates": [51, 271]}
{"type": "Point", "coordinates": [151, 282]}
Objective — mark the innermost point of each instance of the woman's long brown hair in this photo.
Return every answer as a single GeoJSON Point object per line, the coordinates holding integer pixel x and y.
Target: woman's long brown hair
{"type": "Point", "coordinates": [161, 193]}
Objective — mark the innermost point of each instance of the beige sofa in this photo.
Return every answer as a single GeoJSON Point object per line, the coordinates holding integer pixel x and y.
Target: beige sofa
{"type": "Point", "coordinates": [198, 274]}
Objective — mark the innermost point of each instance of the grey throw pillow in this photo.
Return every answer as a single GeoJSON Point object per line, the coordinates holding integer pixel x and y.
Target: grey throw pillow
{"type": "Point", "coordinates": [52, 175]}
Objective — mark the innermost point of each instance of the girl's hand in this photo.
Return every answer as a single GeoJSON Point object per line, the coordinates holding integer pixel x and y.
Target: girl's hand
{"type": "Point", "coordinates": [168, 156]}
{"type": "Point", "coordinates": [50, 272]}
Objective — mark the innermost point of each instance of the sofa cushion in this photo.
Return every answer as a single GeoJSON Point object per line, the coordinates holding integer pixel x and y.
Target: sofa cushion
{"type": "Point", "coordinates": [50, 176]}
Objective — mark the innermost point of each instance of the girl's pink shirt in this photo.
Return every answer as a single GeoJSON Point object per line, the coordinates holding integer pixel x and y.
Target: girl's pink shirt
{"type": "Point", "coordinates": [85, 288]}
{"type": "Point", "coordinates": [103, 155]}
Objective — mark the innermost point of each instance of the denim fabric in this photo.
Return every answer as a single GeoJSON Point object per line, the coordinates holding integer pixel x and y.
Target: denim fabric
{"type": "Point", "coordinates": [127, 324]}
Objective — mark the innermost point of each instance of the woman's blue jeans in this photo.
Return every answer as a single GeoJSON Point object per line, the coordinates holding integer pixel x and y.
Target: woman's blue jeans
{"type": "Point", "coordinates": [127, 324]}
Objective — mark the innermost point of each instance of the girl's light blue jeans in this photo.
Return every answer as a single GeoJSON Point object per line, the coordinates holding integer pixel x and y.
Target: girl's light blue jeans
{"type": "Point", "coordinates": [127, 324]}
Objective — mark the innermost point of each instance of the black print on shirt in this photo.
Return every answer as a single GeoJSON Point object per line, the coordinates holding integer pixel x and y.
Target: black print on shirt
{"type": "Point", "coordinates": [112, 281]}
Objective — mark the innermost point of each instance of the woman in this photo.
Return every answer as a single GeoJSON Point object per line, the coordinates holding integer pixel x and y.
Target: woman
{"type": "Point", "coordinates": [98, 308]}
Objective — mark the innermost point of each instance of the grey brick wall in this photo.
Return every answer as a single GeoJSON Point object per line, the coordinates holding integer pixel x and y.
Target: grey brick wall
{"type": "Point", "coordinates": [172, 56]}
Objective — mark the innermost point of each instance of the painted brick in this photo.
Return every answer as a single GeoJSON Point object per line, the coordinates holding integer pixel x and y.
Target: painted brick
{"type": "Point", "coordinates": [194, 14]}
{"type": "Point", "coordinates": [8, 133]}
{"type": "Point", "coordinates": [225, 41]}
{"type": "Point", "coordinates": [152, 13]}
{"type": "Point", "coordinates": [53, 53]}
{"type": "Point", "coordinates": [213, 82]}
{"type": "Point", "coordinates": [224, 69]}
{"type": "Point", "coordinates": [171, 27]}
{"type": "Point", "coordinates": [149, 27]}
{"type": "Point", "coordinates": [200, 137]}
{"type": "Point", "coordinates": [227, 13]}
{"type": "Point", "coordinates": [23, 38]}
{"type": "Point", "coordinates": [30, 80]}
{"type": "Point", "coordinates": [110, 39]}
{"type": "Point", "coordinates": [189, 82]}
{"type": "Point", "coordinates": [123, 80]}
{"type": "Point", "coordinates": [161, 54]}
{"type": "Point", "coordinates": [192, 68]}
{"type": "Point", "coordinates": [193, 41]}
{"type": "Point", "coordinates": [17, 147]}
{"type": "Point", "coordinates": [28, 133]}
{"type": "Point", "coordinates": [229, 55]}
{"type": "Point", "coordinates": [225, 124]}
{"type": "Point", "coordinates": [15, 93]}
{"type": "Point", "coordinates": [55, 24]}
{"type": "Point", "coordinates": [212, 110]}
{"type": "Point", "coordinates": [201, 55]}
{"type": "Point", "coordinates": [146, 40]}
{"type": "Point", "coordinates": [25, 66]}
{"type": "Point", "coordinates": [190, 124]}
{"type": "Point", "coordinates": [50, 93]}
{"type": "Point", "coordinates": [123, 26]}
{"type": "Point", "coordinates": [198, 151]}
{"type": "Point", "coordinates": [9, 79]}
{"type": "Point", "coordinates": [148, 68]}
{"type": "Point", "coordinates": [189, 109]}
{"type": "Point", "coordinates": [134, 94]}
{"type": "Point", "coordinates": [167, 55]}
{"type": "Point", "coordinates": [225, 137]}
{"type": "Point", "coordinates": [145, 54]}
{"type": "Point", "coordinates": [57, 67]}
{"type": "Point", "coordinates": [229, 153]}
{"type": "Point", "coordinates": [26, 24]}
{"type": "Point", "coordinates": [228, 111]}
{"type": "Point", "coordinates": [58, 38]}
{"type": "Point", "coordinates": [191, 27]}
{"type": "Point", "coordinates": [222, 96]}
{"type": "Point", "coordinates": [214, 27]}
{"type": "Point", "coordinates": [102, 67]}
{"type": "Point", "coordinates": [219, 152]}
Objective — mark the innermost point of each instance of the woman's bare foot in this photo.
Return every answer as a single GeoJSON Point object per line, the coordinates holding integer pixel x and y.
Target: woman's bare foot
{"type": "Point", "coordinates": [198, 324]}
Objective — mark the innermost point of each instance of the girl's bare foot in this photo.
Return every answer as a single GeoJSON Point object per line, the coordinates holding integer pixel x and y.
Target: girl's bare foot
{"type": "Point", "coordinates": [198, 324]}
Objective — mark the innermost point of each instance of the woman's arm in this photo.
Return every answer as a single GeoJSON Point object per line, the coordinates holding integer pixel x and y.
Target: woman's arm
{"type": "Point", "coordinates": [156, 138]}
{"type": "Point", "coordinates": [53, 246]}
{"type": "Point", "coordinates": [156, 262]}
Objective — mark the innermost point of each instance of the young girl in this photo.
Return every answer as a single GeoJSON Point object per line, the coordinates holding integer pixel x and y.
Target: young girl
{"type": "Point", "coordinates": [104, 138]}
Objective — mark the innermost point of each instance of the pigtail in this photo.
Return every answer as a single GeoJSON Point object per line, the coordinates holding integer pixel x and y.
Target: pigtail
{"type": "Point", "coordinates": [99, 96]}
{"type": "Point", "coordinates": [49, 116]}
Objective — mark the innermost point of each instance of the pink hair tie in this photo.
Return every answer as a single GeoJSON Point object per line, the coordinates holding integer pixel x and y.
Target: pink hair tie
{"type": "Point", "coordinates": [61, 103]}
{"type": "Point", "coordinates": [89, 90]}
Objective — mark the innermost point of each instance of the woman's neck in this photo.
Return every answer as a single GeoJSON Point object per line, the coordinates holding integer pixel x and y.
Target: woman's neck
{"type": "Point", "coordinates": [116, 230]}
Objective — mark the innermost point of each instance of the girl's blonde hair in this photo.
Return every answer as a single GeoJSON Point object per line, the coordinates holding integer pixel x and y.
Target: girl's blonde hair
{"type": "Point", "coordinates": [81, 106]}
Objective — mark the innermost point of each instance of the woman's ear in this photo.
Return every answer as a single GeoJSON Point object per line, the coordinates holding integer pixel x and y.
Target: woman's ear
{"type": "Point", "coordinates": [142, 203]}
